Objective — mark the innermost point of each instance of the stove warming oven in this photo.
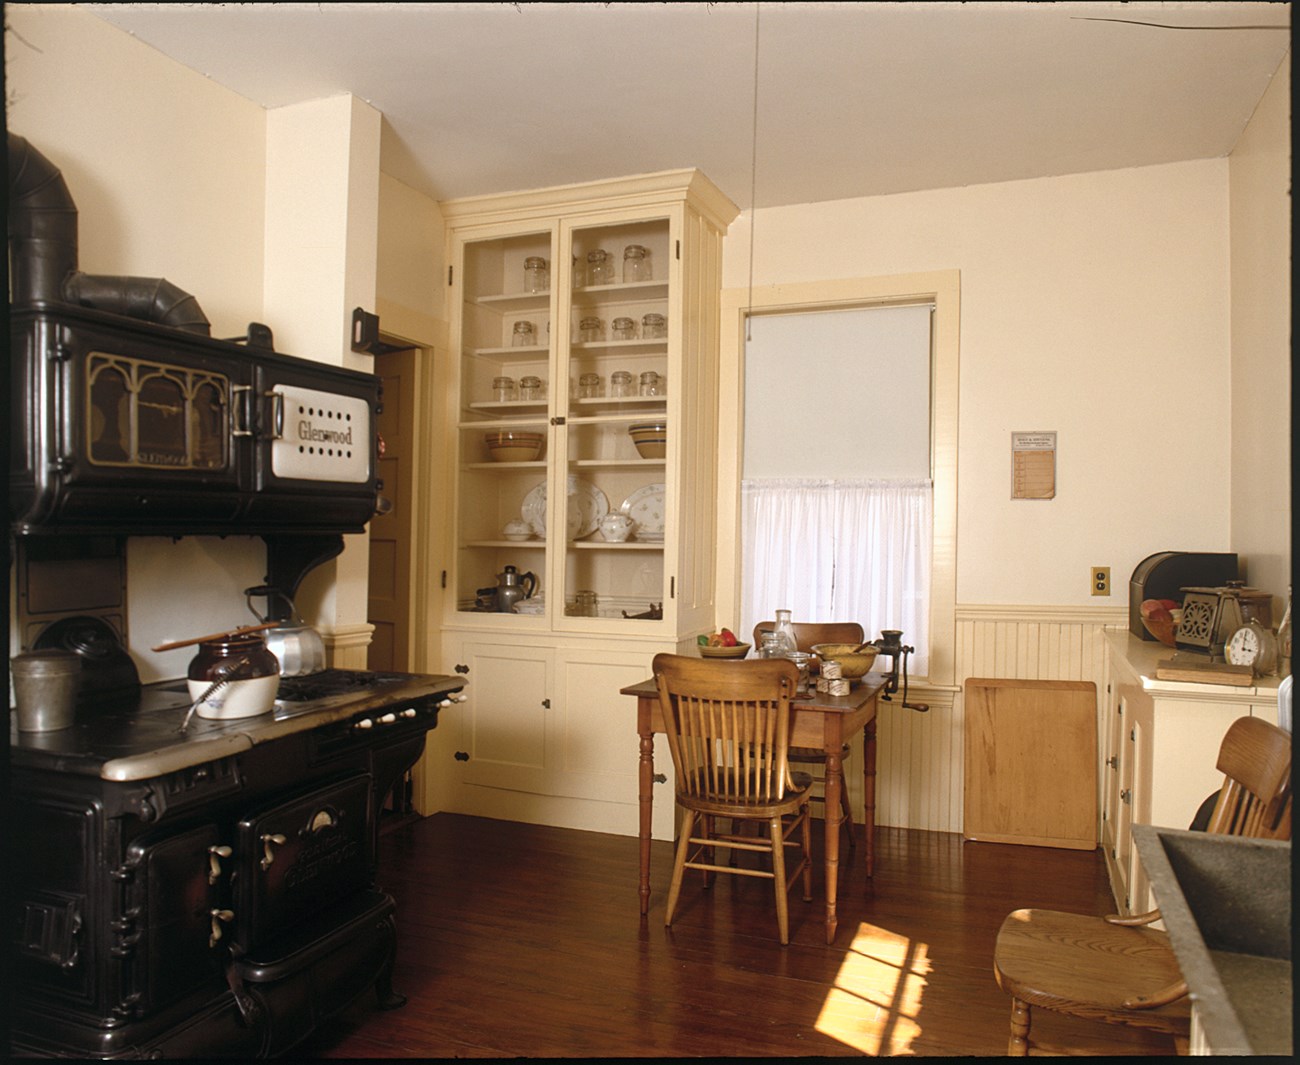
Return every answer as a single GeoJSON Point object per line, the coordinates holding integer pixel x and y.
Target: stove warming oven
{"type": "Point", "coordinates": [209, 893]}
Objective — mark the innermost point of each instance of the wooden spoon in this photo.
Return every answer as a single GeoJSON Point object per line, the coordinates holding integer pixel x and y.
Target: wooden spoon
{"type": "Point", "coordinates": [215, 636]}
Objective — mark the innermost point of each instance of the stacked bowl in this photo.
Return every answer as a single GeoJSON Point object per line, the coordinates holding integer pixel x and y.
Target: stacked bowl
{"type": "Point", "coordinates": [650, 438]}
{"type": "Point", "coordinates": [513, 445]}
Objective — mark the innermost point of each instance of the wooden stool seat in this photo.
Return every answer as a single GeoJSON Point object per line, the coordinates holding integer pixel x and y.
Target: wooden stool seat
{"type": "Point", "coordinates": [1091, 968]}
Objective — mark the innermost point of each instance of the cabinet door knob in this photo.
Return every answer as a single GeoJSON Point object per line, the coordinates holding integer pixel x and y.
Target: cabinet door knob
{"type": "Point", "coordinates": [1113, 761]}
{"type": "Point", "coordinates": [1126, 796]}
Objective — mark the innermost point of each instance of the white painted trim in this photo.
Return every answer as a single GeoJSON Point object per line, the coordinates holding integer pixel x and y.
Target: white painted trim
{"type": "Point", "coordinates": [1106, 616]}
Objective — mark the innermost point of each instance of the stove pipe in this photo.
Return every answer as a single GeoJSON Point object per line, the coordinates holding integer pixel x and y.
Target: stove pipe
{"type": "Point", "coordinates": [43, 253]}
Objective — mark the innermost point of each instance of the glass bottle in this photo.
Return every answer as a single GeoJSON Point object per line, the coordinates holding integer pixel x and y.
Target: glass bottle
{"type": "Point", "coordinates": [600, 271]}
{"type": "Point", "coordinates": [636, 266]}
{"type": "Point", "coordinates": [785, 634]}
{"type": "Point", "coordinates": [537, 275]}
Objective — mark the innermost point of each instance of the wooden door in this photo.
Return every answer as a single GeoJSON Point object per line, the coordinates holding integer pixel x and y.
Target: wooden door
{"type": "Point", "coordinates": [389, 609]}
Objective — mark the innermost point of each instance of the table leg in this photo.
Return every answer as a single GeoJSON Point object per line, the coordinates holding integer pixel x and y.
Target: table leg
{"type": "Point", "coordinates": [834, 784]}
{"type": "Point", "coordinates": [869, 792]}
{"type": "Point", "coordinates": [645, 796]}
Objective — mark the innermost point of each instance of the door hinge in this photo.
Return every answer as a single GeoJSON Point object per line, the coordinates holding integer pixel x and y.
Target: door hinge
{"type": "Point", "coordinates": [461, 756]}
{"type": "Point", "coordinates": [450, 268]}
{"type": "Point", "coordinates": [460, 668]}
{"type": "Point", "coordinates": [546, 704]}
{"type": "Point", "coordinates": [444, 578]}
{"type": "Point", "coordinates": [679, 249]}
{"type": "Point", "coordinates": [558, 420]}
{"type": "Point", "coordinates": [672, 587]}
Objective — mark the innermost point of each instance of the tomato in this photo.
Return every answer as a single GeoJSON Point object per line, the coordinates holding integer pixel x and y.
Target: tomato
{"type": "Point", "coordinates": [728, 638]}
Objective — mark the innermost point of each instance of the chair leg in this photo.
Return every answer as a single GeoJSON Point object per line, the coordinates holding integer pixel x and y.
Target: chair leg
{"type": "Point", "coordinates": [777, 831]}
{"type": "Point", "coordinates": [847, 807]}
{"type": "Point", "coordinates": [679, 865]}
{"type": "Point", "coordinates": [807, 854]}
{"type": "Point", "coordinates": [709, 853]}
{"type": "Point", "coordinates": [1018, 1045]}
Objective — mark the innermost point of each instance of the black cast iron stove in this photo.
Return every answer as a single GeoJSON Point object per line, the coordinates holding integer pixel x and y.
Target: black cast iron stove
{"type": "Point", "coordinates": [210, 893]}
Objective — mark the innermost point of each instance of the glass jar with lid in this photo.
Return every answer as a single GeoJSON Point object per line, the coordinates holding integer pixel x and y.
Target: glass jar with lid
{"type": "Point", "coordinates": [590, 386]}
{"type": "Point", "coordinates": [651, 384]}
{"type": "Point", "coordinates": [537, 274]}
{"type": "Point", "coordinates": [636, 263]}
{"type": "Point", "coordinates": [620, 384]}
{"type": "Point", "coordinates": [600, 271]}
{"type": "Point", "coordinates": [524, 336]}
{"type": "Point", "coordinates": [653, 327]}
{"type": "Point", "coordinates": [503, 389]}
{"type": "Point", "coordinates": [530, 388]}
{"type": "Point", "coordinates": [623, 329]}
{"type": "Point", "coordinates": [591, 330]}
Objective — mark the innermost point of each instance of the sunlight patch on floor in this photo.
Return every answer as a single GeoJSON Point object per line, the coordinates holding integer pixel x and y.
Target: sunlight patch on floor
{"type": "Point", "coordinates": [873, 1003]}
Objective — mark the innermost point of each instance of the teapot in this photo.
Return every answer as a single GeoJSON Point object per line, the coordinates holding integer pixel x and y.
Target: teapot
{"type": "Point", "coordinates": [512, 587]}
{"type": "Point", "coordinates": [615, 527]}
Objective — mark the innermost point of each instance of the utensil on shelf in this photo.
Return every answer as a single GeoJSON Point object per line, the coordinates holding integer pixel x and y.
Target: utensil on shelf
{"type": "Point", "coordinates": [215, 636]}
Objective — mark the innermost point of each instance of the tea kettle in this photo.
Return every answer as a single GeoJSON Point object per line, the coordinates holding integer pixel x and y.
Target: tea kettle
{"type": "Point", "coordinates": [298, 647]}
{"type": "Point", "coordinates": [513, 587]}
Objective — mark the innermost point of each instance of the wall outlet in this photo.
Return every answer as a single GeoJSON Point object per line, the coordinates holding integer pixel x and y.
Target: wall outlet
{"type": "Point", "coordinates": [1100, 578]}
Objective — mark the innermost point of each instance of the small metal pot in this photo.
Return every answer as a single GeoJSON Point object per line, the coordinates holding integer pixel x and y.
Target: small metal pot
{"type": "Point", "coordinates": [298, 647]}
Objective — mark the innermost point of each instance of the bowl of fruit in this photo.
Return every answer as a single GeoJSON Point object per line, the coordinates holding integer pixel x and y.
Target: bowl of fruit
{"type": "Point", "coordinates": [1160, 617]}
{"type": "Point", "coordinates": [721, 644]}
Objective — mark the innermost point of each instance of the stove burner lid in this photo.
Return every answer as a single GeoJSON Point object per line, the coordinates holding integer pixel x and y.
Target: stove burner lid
{"type": "Point", "coordinates": [306, 689]}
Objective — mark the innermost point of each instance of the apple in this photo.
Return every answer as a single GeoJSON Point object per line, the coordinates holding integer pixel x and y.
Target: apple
{"type": "Point", "coordinates": [1155, 610]}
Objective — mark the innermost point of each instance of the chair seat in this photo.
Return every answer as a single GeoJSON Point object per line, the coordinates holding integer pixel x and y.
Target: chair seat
{"type": "Point", "coordinates": [1091, 969]}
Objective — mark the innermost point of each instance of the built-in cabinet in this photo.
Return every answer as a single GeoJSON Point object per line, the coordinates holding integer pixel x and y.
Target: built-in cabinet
{"type": "Point", "coordinates": [590, 366]}
{"type": "Point", "coordinates": [1161, 742]}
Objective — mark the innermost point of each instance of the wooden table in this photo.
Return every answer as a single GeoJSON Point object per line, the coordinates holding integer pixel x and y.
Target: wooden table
{"type": "Point", "coordinates": [826, 722]}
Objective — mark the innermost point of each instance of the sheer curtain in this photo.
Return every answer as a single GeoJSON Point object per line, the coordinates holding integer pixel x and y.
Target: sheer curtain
{"type": "Point", "coordinates": [839, 550]}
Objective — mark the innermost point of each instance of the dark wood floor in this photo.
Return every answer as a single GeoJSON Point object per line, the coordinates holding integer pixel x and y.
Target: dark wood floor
{"type": "Point", "coordinates": [517, 940]}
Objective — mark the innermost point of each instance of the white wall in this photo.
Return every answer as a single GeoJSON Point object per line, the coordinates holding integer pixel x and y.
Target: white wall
{"type": "Point", "coordinates": [1095, 305]}
{"type": "Point", "coordinates": [1259, 174]}
{"type": "Point", "coordinates": [166, 167]}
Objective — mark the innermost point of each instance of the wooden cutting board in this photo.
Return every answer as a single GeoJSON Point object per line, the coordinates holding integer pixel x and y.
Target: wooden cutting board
{"type": "Point", "coordinates": [1205, 672]}
{"type": "Point", "coordinates": [1031, 762]}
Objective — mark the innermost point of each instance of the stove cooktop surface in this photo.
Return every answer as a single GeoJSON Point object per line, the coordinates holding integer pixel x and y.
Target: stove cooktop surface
{"type": "Point", "coordinates": [140, 738]}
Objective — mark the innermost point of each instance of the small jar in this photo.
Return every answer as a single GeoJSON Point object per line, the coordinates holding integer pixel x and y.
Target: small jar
{"type": "Point", "coordinates": [537, 274]}
{"type": "Point", "coordinates": [620, 384]}
{"type": "Point", "coordinates": [524, 336]}
{"type": "Point", "coordinates": [503, 389]}
{"type": "Point", "coordinates": [591, 330]}
{"type": "Point", "coordinates": [653, 327]}
{"type": "Point", "coordinates": [586, 604]}
{"type": "Point", "coordinates": [530, 388]}
{"type": "Point", "coordinates": [600, 271]}
{"type": "Point", "coordinates": [651, 384]}
{"type": "Point", "coordinates": [623, 329]}
{"type": "Point", "coordinates": [590, 387]}
{"type": "Point", "coordinates": [636, 265]}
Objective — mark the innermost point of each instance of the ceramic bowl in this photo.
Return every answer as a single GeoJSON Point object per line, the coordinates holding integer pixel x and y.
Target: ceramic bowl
{"type": "Point", "coordinates": [738, 651]}
{"type": "Point", "coordinates": [651, 439]}
{"type": "Point", "coordinates": [518, 531]}
{"type": "Point", "coordinates": [513, 445]}
{"type": "Point", "coordinates": [853, 664]}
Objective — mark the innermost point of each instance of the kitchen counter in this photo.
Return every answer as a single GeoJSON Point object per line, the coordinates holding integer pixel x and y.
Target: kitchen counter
{"type": "Point", "coordinates": [1145, 655]}
{"type": "Point", "coordinates": [1226, 902]}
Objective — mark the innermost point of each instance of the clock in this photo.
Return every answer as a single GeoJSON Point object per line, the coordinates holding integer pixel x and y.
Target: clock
{"type": "Point", "coordinates": [1252, 645]}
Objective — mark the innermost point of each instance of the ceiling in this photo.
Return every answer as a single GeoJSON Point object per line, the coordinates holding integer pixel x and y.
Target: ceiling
{"type": "Point", "coordinates": [845, 99]}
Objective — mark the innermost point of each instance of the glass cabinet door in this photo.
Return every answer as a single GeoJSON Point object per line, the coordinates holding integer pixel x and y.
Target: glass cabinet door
{"type": "Point", "coordinates": [503, 418]}
{"type": "Point", "coordinates": [612, 364]}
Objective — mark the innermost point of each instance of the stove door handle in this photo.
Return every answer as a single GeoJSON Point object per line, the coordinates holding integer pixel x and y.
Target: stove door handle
{"type": "Point", "coordinates": [268, 856]}
{"type": "Point", "coordinates": [217, 917]}
{"type": "Point", "coordinates": [215, 854]}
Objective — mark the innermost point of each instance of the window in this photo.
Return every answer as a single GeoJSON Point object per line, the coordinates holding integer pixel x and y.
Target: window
{"type": "Point", "coordinates": [911, 486]}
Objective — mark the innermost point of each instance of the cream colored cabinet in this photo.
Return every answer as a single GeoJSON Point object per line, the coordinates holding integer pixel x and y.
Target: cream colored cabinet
{"type": "Point", "coordinates": [585, 367]}
{"type": "Point", "coordinates": [1162, 743]}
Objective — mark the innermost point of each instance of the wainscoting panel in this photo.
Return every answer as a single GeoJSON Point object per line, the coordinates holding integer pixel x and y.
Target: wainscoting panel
{"type": "Point", "coordinates": [920, 777]}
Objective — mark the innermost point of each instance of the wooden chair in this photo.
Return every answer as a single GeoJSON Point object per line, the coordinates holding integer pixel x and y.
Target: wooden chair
{"type": "Point", "coordinates": [728, 729]}
{"type": "Point", "coordinates": [806, 636]}
{"type": "Point", "coordinates": [1114, 968]}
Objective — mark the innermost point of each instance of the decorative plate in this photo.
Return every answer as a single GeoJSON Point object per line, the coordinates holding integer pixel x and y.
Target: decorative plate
{"type": "Point", "coordinates": [646, 507]}
{"type": "Point", "coordinates": [587, 504]}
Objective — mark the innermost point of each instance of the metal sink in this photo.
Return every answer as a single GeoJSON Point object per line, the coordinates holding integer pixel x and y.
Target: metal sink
{"type": "Point", "coordinates": [1226, 903]}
